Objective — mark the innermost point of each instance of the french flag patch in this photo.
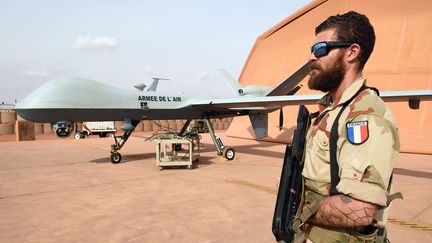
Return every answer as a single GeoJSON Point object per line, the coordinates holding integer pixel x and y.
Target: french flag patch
{"type": "Point", "coordinates": [358, 132]}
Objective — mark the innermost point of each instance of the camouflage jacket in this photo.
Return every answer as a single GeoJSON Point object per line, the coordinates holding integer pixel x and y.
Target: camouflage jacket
{"type": "Point", "coordinates": [366, 149]}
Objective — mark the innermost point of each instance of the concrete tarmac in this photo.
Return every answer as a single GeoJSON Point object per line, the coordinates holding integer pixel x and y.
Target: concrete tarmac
{"type": "Point", "coordinates": [65, 190]}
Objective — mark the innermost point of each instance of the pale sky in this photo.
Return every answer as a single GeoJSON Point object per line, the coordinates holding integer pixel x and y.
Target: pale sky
{"type": "Point", "coordinates": [130, 41]}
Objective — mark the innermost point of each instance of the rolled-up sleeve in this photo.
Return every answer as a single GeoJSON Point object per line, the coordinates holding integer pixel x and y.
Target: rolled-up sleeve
{"type": "Point", "coordinates": [365, 168]}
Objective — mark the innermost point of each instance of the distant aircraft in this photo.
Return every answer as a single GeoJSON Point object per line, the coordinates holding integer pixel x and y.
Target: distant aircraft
{"type": "Point", "coordinates": [65, 101]}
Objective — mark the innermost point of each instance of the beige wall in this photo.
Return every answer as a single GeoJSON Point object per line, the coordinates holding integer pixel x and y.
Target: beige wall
{"type": "Point", "coordinates": [399, 61]}
{"type": "Point", "coordinates": [8, 120]}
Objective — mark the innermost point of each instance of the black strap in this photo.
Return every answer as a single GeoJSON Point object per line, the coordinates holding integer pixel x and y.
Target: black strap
{"type": "Point", "coordinates": [334, 136]}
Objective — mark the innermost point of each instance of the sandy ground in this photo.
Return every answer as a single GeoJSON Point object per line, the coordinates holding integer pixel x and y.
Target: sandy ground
{"type": "Point", "coordinates": [65, 190]}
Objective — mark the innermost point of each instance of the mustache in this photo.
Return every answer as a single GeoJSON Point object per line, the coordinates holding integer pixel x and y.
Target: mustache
{"type": "Point", "coordinates": [315, 66]}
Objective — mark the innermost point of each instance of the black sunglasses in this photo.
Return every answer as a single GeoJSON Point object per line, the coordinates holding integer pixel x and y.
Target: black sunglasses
{"type": "Point", "coordinates": [321, 49]}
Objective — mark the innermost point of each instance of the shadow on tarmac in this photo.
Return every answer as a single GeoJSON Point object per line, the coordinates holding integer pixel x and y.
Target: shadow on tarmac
{"type": "Point", "coordinates": [203, 160]}
{"type": "Point", "coordinates": [125, 158]}
{"type": "Point", "coordinates": [253, 149]}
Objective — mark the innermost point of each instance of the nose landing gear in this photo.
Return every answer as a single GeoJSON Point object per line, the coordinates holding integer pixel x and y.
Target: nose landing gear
{"type": "Point", "coordinates": [115, 156]}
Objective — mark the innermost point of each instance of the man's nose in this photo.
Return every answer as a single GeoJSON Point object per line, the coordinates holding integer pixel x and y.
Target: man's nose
{"type": "Point", "coordinates": [312, 57]}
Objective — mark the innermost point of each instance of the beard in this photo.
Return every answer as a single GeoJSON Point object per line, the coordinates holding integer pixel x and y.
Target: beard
{"type": "Point", "coordinates": [329, 79]}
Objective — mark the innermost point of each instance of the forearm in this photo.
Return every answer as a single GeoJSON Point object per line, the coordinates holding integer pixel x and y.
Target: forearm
{"type": "Point", "coordinates": [343, 211]}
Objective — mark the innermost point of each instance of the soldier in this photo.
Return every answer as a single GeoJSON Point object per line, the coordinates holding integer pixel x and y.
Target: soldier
{"type": "Point", "coordinates": [355, 209]}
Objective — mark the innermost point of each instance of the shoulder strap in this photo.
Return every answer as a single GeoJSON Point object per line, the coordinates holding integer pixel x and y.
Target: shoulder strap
{"type": "Point", "coordinates": [396, 195]}
{"type": "Point", "coordinates": [334, 136]}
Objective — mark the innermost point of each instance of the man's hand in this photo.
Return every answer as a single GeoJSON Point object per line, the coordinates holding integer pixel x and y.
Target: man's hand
{"type": "Point", "coordinates": [344, 212]}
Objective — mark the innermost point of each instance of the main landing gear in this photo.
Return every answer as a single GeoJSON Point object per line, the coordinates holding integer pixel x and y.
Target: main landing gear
{"type": "Point", "coordinates": [128, 127]}
{"type": "Point", "coordinates": [228, 153]}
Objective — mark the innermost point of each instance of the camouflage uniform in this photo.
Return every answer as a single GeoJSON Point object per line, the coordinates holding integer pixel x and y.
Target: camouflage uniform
{"type": "Point", "coordinates": [365, 167]}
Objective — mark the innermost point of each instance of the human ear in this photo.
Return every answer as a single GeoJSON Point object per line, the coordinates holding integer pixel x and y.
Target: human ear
{"type": "Point", "coordinates": [353, 53]}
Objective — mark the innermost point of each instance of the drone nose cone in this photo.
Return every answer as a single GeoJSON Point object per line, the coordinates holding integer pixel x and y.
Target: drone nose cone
{"type": "Point", "coordinates": [50, 93]}
{"type": "Point", "coordinates": [73, 98]}
{"type": "Point", "coordinates": [72, 92]}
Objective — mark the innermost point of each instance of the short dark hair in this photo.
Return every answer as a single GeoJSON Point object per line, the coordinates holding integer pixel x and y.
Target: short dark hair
{"type": "Point", "coordinates": [352, 27]}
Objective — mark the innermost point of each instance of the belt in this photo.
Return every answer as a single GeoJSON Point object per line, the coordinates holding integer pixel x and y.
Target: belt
{"type": "Point", "coordinates": [366, 230]}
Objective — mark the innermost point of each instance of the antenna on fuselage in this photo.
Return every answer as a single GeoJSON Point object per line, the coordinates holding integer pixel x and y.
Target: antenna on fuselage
{"type": "Point", "coordinates": [140, 86]}
{"type": "Point", "coordinates": [155, 83]}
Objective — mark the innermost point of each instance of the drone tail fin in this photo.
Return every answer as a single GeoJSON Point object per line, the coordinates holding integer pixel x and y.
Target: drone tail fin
{"type": "Point", "coordinates": [232, 83]}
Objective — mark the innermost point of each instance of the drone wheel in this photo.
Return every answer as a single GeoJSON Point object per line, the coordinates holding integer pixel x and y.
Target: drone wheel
{"type": "Point", "coordinates": [115, 158]}
{"type": "Point", "coordinates": [229, 154]}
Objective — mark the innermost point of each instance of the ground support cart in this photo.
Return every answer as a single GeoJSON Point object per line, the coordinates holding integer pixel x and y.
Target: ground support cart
{"type": "Point", "coordinates": [175, 151]}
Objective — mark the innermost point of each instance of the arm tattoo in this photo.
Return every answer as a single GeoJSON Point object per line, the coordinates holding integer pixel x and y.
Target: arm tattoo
{"type": "Point", "coordinates": [345, 199]}
{"type": "Point", "coordinates": [343, 211]}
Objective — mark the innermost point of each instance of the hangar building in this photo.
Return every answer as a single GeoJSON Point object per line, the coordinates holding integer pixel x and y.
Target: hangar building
{"type": "Point", "coordinates": [400, 61]}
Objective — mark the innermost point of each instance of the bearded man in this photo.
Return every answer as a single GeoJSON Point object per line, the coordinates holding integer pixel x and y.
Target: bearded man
{"type": "Point", "coordinates": [347, 201]}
